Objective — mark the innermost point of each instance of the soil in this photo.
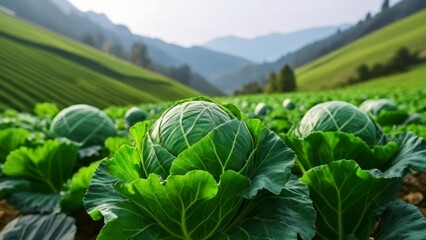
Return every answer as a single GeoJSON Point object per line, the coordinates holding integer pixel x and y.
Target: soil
{"type": "Point", "coordinates": [7, 213]}
{"type": "Point", "coordinates": [413, 190]}
{"type": "Point", "coordinates": [87, 229]}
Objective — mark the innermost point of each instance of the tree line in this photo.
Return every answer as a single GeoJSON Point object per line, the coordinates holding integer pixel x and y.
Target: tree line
{"type": "Point", "coordinates": [400, 62]}
{"type": "Point", "coordinates": [283, 81]}
{"type": "Point", "coordinates": [139, 55]}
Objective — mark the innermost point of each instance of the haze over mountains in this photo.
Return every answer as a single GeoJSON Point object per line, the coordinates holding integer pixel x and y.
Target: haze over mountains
{"type": "Point", "coordinates": [269, 48]}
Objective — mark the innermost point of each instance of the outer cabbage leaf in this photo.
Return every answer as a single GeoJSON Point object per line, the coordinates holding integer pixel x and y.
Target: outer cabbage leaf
{"type": "Point", "coordinates": [51, 164]}
{"type": "Point", "coordinates": [347, 197]}
{"type": "Point", "coordinates": [72, 197]}
{"type": "Point", "coordinates": [114, 143]}
{"type": "Point", "coordinates": [401, 220]}
{"type": "Point", "coordinates": [40, 175]}
{"type": "Point", "coordinates": [34, 202]}
{"type": "Point", "coordinates": [269, 165]}
{"type": "Point", "coordinates": [194, 206]}
{"type": "Point", "coordinates": [154, 157]}
{"type": "Point", "coordinates": [411, 154]}
{"type": "Point", "coordinates": [323, 147]}
{"type": "Point", "coordinates": [101, 200]}
{"type": "Point", "coordinates": [46, 227]}
{"type": "Point", "coordinates": [11, 139]}
{"type": "Point", "coordinates": [224, 148]}
{"type": "Point", "coordinates": [292, 210]}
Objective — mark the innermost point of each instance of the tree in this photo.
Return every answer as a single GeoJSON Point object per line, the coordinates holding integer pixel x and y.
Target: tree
{"type": "Point", "coordinates": [385, 5]}
{"type": "Point", "coordinates": [286, 81]}
{"type": "Point", "coordinates": [140, 56]}
{"type": "Point", "coordinates": [249, 88]}
{"type": "Point", "coordinates": [402, 59]}
{"type": "Point", "coordinates": [368, 16]}
{"type": "Point", "coordinates": [363, 72]}
{"type": "Point", "coordinates": [271, 85]}
{"type": "Point", "coordinates": [88, 39]}
{"type": "Point", "coordinates": [182, 74]}
{"type": "Point", "coordinates": [117, 50]}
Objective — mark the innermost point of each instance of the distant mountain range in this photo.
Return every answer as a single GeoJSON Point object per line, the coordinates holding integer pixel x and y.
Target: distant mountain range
{"type": "Point", "coordinates": [259, 72]}
{"type": "Point", "coordinates": [271, 47]}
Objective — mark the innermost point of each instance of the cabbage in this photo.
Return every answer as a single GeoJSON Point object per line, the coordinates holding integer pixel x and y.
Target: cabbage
{"type": "Point", "coordinates": [201, 171]}
{"type": "Point", "coordinates": [338, 116]}
{"type": "Point", "coordinates": [175, 128]}
{"type": "Point", "coordinates": [375, 106]}
{"type": "Point", "coordinates": [288, 104]}
{"type": "Point", "coordinates": [86, 125]}
{"type": "Point", "coordinates": [134, 115]}
{"type": "Point", "coordinates": [261, 110]}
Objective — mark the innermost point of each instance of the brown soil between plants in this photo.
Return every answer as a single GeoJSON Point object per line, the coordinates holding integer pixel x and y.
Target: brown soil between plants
{"type": "Point", "coordinates": [413, 190]}
{"type": "Point", "coordinates": [7, 213]}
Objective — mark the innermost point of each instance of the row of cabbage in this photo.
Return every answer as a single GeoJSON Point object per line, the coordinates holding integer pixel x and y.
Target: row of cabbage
{"type": "Point", "coordinates": [203, 170]}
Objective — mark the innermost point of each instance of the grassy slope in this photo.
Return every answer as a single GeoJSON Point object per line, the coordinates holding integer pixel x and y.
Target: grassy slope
{"type": "Point", "coordinates": [414, 79]}
{"type": "Point", "coordinates": [37, 65]}
{"type": "Point", "coordinates": [377, 47]}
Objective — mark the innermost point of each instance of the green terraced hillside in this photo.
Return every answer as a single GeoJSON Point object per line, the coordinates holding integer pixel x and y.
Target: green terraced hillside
{"type": "Point", "coordinates": [37, 65]}
{"type": "Point", "coordinates": [335, 68]}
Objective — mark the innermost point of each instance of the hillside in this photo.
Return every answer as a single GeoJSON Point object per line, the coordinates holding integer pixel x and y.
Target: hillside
{"type": "Point", "coordinates": [37, 65]}
{"type": "Point", "coordinates": [413, 80]}
{"type": "Point", "coordinates": [335, 68]}
{"type": "Point", "coordinates": [271, 47]}
{"type": "Point", "coordinates": [314, 51]}
{"type": "Point", "coordinates": [60, 16]}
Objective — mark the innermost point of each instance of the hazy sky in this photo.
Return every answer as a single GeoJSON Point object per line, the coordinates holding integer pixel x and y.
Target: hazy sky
{"type": "Point", "coordinates": [194, 22]}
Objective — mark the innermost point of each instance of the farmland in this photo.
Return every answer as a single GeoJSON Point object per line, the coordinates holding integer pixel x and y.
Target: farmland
{"type": "Point", "coordinates": [133, 170]}
{"type": "Point", "coordinates": [37, 65]}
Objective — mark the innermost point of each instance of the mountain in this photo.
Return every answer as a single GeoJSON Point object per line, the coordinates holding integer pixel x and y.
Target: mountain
{"type": "Point", "coordinates": [270, 47]}
{"type": "Point", "coordinates": [335, 68]}
{"type": "Point", "coordinates": [259, 72]}
{"type": "Point", "coordinates": [37, 65]}
{"type": "Point", "coordinates": [61, 17]}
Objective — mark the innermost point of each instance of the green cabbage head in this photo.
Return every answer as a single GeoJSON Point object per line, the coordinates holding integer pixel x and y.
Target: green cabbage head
{"type": "Point", "coordinates": [83, 124]}
{"type": "Point", "coordinates": [339, 116]}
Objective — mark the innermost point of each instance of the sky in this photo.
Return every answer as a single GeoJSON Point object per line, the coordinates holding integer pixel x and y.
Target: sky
{"type": "Point", "coordinates": [195, 22]}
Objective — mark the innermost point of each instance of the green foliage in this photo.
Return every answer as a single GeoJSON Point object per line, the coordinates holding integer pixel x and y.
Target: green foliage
{"type": "Point", "coordinates": [271, 85]}
{"type": "Point", "coordinates": [139, 55]}
{"type": "Point", "coordinates": [285, 81]}
{"type": "Point", "coordinates": [345, 197]}
{"type": "Point", "coordinates": [200, 171]}
{"type": "Point", "coordinates": [52, 226]}
{"type": "Point", "coordinates": [11, 139]}
{"type": "Point", "coordinates": [39, 175]}
{"type": "Point", "coordinates": [48, 110]}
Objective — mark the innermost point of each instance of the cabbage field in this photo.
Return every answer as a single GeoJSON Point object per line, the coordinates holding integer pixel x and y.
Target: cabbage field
{"type": "Point", "coordinates": [346, 164]}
